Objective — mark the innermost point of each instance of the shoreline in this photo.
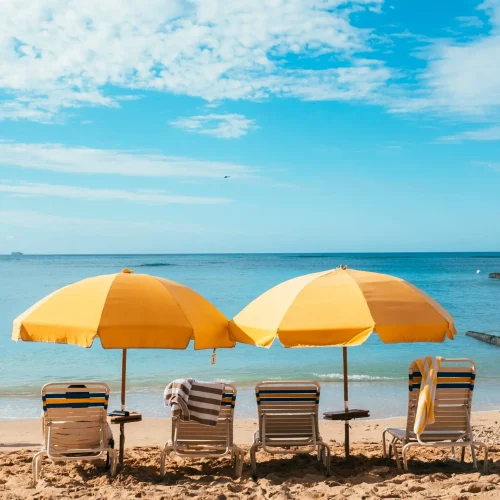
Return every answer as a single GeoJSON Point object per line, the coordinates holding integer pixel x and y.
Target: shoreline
{"type": "Point", "coordinates": [26, 433]}
{"type": "Point", "coordinates": [383, 403]}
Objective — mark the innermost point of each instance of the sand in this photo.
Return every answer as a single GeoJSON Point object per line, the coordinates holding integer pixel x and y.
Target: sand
{"type": "Point", "coordinates": [367, 475]}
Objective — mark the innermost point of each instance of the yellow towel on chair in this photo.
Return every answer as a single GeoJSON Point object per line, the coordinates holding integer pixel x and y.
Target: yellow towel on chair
{"type": "Point", "coordinates": [429, 368]}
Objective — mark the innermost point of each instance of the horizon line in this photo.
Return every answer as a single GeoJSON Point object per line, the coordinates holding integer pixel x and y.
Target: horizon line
{"type": "Point", "coordinates": [22, 254]}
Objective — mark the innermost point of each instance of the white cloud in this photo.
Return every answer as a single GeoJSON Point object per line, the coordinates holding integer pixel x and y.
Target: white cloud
{"type": "Point", "coordinates": [228, 126]}
{"type": "Point", "coordinates": [60, 158]}
{"type": "Point", "coordinates": [462, 78]}
{"type": "Point", "coordinates": [470, 21]}
{"type": "Point", "coordinates": [31, 219]}
{"type": "Point", "coordinates": [53, 58]}
{"type": "Point", "coordinates": [44, 106]}
{"type": "Point", "coordinates": [362, 82]}
{"type": "Point", "coordinates": [485, 134]}
{"type": "Point", "coordinates": [59, 54]}
{"type": "Point", "coordinates": [27, 189]}
{"type": "Point", "coordinates": [492, 9]}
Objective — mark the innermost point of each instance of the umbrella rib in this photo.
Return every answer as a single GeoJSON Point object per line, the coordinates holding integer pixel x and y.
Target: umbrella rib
{"type": "Point", "coordinates": [178, 305]}
{"type": "Point", "coordinates": [367, 306]}
{"type": "Point", "coordinates": [98, 333]}
{"type": "Point", "coordinates": [435, 304]}
{"type": "Point", "coordinates": [324, 273]}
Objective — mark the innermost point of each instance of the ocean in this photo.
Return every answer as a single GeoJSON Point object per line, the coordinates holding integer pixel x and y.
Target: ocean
{"type": "Point", "coordinates": [378, 372]}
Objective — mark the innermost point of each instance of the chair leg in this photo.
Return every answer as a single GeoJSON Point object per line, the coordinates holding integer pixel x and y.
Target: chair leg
{"type": "Point", "coordinates": [166, 451]}
{"type": "Point", "coordinates": [396, 455]}
{"type": "Point", "coordinates": [393, 448]}
{"type": "Point", "coordinates": [473, 452]}
{"type": "Point", "coordinates": [485, 451]}
{"type": "Point", "coordinates": [37, 465]}
{"type": "Point", "coordinates": [234, 463]}
{"type": "Point", "coordinates": [405, 458]}
{"type": "Point", "coordinates": [239, 458]}
{"type": "Point", "coordinates": [326, 459]}
{"type": "Point", "coordinates": [234, 460]}
{"type": "Point", "coordinates": [462, 455]}
{"type": "Point", "coordinates": [384, 445]}
{"type": "Point", "coordinates": [253, 459]}
{"type": "Point", "coordinates": [483, 447]}
{"type": "Point", "coordinates": [34, 479]}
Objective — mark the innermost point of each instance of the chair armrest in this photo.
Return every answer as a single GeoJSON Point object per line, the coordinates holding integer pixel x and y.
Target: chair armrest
{"type": "Point", "coordinates": [288, 414]}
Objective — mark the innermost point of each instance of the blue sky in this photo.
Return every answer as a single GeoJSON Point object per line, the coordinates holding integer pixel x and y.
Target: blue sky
{"type": "Point", "coordinates": [366, 125]}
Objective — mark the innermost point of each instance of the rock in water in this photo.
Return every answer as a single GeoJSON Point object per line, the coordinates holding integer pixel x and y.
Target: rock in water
{"type": "Point", "coordinates": [485, 337]}
{"type": "Point", "coordinates": [494, 275]}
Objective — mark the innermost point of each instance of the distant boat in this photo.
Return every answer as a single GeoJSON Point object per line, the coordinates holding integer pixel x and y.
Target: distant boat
{"type": "Point", "coordinates": [17, 254]}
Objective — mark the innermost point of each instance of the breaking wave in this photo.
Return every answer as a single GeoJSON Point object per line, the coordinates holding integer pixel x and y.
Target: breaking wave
{"type": "Point", "coordinates": [338, 377]}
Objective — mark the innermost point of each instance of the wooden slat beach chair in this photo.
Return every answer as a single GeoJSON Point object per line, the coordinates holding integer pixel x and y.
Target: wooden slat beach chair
{"type": "Point", "coordinates": [288, 420]}
{"type": "Point", "coordinates": [195, 440]}
{"type": "Point", "coordinates": [452, 411]}
{"type": "Point", "coordinates": [74, 424]}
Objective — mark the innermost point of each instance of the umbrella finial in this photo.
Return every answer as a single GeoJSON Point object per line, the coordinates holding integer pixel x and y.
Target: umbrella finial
{"type": "Point", "coordinates": [127, 271]}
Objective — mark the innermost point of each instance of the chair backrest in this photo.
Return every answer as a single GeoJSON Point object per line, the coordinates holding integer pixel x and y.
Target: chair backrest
{"type": "Point", "coordinates": [289, 408]}
{"type": "Point", "coordinates": [453, 399]}
{"type": "Point", "coordinates": [220, 435]}
{"type": "Point", "coordinates": [74, 413]}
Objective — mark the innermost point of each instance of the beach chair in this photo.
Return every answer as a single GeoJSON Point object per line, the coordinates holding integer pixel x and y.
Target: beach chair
{"type": "Point", "coordinates": [74, 424]}
{"type": "Point", "coordinates": [191, 439]}
{"type": "Point", "coordinates": [288, 420]}
{"type": "Point", "coordinates": [452, 412]}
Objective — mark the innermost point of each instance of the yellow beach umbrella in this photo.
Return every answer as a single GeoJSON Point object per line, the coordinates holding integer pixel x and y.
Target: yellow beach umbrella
{"type": "Point", "coordinates": [124, 311]}
{"type": "Point", "coordinates": [342, 307]}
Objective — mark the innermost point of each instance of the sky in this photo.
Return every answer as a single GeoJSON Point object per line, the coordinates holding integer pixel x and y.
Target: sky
{"type": "Point", "coordinates": [249, 126]}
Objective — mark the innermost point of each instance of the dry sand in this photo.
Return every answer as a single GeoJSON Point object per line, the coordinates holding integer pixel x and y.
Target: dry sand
{"type": "Point", "coordinates": [367, 475]}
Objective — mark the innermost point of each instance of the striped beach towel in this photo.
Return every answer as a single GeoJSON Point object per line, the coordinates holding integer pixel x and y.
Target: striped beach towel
{"type": "Point", "coordinates": [176, 396]}
{"type": "Point", "coordinates": [196, 401]}
{"type": "Point", "coordinates": [429, 368]}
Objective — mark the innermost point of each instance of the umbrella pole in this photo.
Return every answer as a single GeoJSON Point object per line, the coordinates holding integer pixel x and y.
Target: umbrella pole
{"type": "Point", "coordinates": [346, 401]}
{"type": "Point", "coordinates": [124, 377]}
{"type": "Point", "coordinates": [122, 425]}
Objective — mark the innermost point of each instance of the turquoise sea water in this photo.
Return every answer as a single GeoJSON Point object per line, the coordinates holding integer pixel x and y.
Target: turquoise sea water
{"type": "Point", "coordinates": [378, 372]}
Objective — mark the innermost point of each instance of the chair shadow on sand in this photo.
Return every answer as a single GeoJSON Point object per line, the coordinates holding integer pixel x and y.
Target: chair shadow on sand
{"type": "Point", "coordinates": [142, 466]}
{"type": "Point", "coordinates": [365, 473]}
